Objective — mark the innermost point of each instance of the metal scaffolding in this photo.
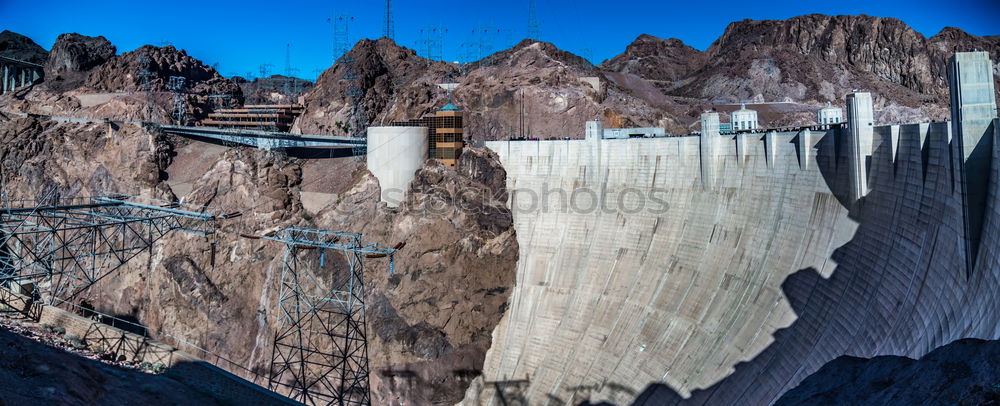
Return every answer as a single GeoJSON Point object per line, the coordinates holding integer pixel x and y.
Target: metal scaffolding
{"type": "Point", "coordinates": [320, 353]}
{"type": "Point", "coordinates": [63, 248]}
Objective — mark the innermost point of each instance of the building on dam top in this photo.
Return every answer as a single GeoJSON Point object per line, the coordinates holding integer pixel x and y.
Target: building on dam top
{"type": "Point", "coordinates": [744, 119]}
{"type": "Point", "coordinates": [830, 115]}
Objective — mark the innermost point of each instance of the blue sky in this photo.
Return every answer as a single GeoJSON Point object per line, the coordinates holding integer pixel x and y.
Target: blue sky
{"type": "Point", "coordinates": [240, 36]}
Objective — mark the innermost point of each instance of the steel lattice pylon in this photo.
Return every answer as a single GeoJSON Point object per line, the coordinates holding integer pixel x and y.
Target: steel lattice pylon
{"type": "Point", "coordinates": [64, 248]}
{"type": "Point", "coordinates": [320, 353]}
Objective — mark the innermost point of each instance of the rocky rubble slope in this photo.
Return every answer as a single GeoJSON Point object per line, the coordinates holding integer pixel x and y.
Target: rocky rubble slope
{"type": "Point", "coordinates": [965, 372]}
{"type": "Point", "coordinates": [42, 368]}
{"type": "Point", "coordinates": [120, 73]}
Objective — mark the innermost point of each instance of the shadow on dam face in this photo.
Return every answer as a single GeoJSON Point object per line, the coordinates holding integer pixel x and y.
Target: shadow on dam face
{"type": "Point", "coordinates": [896, 286]}
{"type": "Point", "coordinates": [897, 289]}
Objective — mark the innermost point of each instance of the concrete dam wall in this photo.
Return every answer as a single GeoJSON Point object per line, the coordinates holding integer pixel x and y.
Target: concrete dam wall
{"type": "Point", "coordinates": [677, 270]}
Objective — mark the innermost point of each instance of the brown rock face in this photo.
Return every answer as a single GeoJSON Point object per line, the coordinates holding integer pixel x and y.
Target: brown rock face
{"type": "Point", "coordinates": [393, 83]}
{"type": "Point", "coordinates": [72, 56]}
{"type": "Point", "coordinates": [275, 89]}
{"type": "Point", "coordinates": [654, 58]}
{"type": "Point", "coordinates": [17, 46]}
{"type": "Point", "coordinates": [811, 59]}
{"type": "Point", "coordinates": [120, 73]}
{"type": "Point", "coordinates": [397, 84]}
{"type": "Point", "coordinates": [430, 322]}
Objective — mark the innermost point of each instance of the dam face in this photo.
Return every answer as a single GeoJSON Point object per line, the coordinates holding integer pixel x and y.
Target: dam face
{"type": "Point", "coordinates": [678, 270]}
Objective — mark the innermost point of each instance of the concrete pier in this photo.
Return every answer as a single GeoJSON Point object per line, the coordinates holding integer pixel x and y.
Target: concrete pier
{"type": "Point", "coordinates": [15, 74]}
{"type": "Point", "coordinates": [860, 125]}
{"type": "Point", "coordinates": [973, 109]}
{"type": "Point", "coordinates": [709, 144]}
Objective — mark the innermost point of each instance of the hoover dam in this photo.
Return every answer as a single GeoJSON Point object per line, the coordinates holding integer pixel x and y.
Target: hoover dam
{"type": "Point", "coordinates": [805, 212]}
{"type": "Point", "coordinates": [724, 269]}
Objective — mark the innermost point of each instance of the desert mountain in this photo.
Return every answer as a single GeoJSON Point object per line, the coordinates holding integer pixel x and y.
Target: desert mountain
{"type": "Point", "coordinates": [393, 83]}
{"type": "Point", "coordinates": [655, 59]}
{"type": "Point", "coordinates": [72, 58]}
{"type": "Point", "coordinates": [812, 59]}
{"type": "Point", "coordinates": [121, 72]}
{"type": "Point", "coordinates": [17, 46]}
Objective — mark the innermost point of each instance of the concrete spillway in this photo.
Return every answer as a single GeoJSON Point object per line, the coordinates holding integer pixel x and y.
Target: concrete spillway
{"type": "Point", "coordinates": [743, 272]}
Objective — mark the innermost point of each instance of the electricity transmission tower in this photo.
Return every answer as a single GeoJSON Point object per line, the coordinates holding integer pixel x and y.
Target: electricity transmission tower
{"type": "Point", "coordinates": [62, 248]}
{"type": "Point", "coordinates": [291, 84]}
{"type": "Point", "coordinates": [341, 35]}
{"type": "Point", "coordinates": [320, 353]}
{"type": "Point", "coordinates": [146, 84]}
{"type": "Point", "coordinates": [179, 112]}
{"type": "Point", "coordinates": [534, 32]}
{"type": "Point", "coordinates": [431, 38]}
{"type": "Point", "coordinates": [389, 30]}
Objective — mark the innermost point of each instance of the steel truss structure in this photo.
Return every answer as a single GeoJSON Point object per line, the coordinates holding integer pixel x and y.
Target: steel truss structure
{"type": "Point", "coordinates": [63, 248]}
{"type": "Point", "coordinates": [320, 353]}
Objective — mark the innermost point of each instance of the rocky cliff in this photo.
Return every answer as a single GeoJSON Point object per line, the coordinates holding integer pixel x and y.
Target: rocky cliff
{"type": "Point", "coordinates": [395, 84]}
{"type": "Point", "coordinates": [810, 59]}
{"type": "Point", "coordinates": [667, 60]}
{"type": "Point", "coordinates": [391, 82]}
{"type": "Point", "coordinates": [72, 57]}
{"type": "Point", "coordinates": [17, 46]}
{"type": "Point", "coordinates": [121, 71]}
{"type": "Point", "coordinates": [430, 321]}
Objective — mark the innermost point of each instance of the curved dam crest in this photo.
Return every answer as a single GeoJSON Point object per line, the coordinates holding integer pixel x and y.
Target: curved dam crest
{"type": "Point", "coordinates": [762, 268]}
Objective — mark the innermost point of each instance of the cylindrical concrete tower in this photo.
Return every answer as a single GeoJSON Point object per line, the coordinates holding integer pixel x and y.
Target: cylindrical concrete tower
{"type": "Point", "coordinates": [744, 118]}
{"type": "Point", "coordinates": [394, 155]}
{"type": "Point", "coordinates": [830, 115]}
